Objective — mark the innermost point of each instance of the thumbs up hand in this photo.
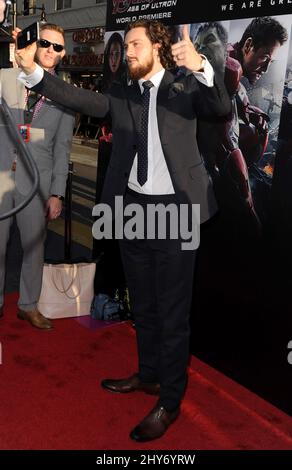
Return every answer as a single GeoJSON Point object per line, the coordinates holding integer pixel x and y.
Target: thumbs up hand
{"type": "Point", "coordinates": [185, 54]}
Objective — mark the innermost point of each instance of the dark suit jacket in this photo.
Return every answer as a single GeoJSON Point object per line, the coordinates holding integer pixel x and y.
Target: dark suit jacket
{"type": "Point", "coordinates": [180, 102]}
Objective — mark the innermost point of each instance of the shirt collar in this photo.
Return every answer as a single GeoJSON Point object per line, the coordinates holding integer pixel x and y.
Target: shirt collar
{"type": "Point", "coordinates": [155, 79]}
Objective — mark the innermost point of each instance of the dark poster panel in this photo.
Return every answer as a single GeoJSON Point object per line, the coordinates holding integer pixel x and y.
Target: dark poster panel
{"type": "Point", "coordinates": [121, 12]}
{"type": "Point", "coordinates": [241, 321]}
{"type": "Point", "coordinates": [241, 313]}
{"type": "Point", "coordinates": [241, 316]}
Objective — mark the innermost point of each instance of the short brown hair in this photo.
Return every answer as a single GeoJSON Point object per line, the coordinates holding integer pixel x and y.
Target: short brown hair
{"type": "Point", "coordinates": [158, 33]}
{"type": "Point", "coordinates": [53, 27]}
{"type": "Point", "coordinates": [264, 31]}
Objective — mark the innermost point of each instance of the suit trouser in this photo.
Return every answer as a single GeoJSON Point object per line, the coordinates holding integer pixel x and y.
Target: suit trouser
{"type": "Point", "coordinates": [159, 275]}
{"type": "Point", "coordinates": [32, 227]}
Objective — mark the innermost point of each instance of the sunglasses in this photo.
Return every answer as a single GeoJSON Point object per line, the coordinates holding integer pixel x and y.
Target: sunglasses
{"type": "Point", "coordinates": [46, 44]}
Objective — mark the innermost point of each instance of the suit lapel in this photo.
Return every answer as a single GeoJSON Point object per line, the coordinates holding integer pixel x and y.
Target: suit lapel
{"type": "Point", "coordinates": [44, 108]}
{"type": "Point", "coordinates": [133, 93]}
{"type": "Point", "coordinates": [162, 97]}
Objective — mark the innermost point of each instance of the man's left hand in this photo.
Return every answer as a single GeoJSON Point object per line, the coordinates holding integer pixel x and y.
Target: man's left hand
{"type": "Point", "coordinates": [185, 54]}
{"type": "Point", "coordinates": [53, 208]}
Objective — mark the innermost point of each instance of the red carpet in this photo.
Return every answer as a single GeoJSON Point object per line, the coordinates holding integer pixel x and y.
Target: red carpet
{"type": "Point", "coordinates": [50, 396]}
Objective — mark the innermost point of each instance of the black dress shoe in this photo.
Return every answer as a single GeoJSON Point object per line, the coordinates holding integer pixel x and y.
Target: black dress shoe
{"type": "Point", "coordinates": [131, 384]}
{"type": "Point", "coordinates": [154, 425]}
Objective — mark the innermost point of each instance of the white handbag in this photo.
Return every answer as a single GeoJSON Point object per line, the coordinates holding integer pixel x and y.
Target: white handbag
{"type": "Point", "coordinates": [67, 290]}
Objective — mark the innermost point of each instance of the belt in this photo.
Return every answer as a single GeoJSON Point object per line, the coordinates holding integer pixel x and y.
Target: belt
{"type": "Point", "coordinates": [154, 198]}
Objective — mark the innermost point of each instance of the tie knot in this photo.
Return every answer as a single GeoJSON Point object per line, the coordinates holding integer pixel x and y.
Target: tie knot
{"type": "Point", "coordinates": [147, 85]}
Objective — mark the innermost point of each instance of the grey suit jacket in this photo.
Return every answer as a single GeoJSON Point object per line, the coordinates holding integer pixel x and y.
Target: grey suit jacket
{"type": "Point", "coordinates": [50, 139]}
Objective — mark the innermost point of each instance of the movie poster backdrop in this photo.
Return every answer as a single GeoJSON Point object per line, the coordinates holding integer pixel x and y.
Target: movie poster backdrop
{"type": "Point", "coordinates": [242, 308]}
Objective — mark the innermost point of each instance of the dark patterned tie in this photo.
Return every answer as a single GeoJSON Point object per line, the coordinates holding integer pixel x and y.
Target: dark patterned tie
{"type": "Point", "coordinates": [142, 170]}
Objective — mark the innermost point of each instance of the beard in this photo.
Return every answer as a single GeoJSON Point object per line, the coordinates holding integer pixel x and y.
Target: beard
{"type": "Point", "coordinates": [138, 71]}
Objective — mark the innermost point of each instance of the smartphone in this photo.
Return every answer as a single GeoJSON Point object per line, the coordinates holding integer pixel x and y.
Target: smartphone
{"type": "Point", "coordinates": [28, 35]}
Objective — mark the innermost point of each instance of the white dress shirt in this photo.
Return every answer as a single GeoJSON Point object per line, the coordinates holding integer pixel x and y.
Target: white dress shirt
{"type": "Point", "coordinates": [159, 180]}
{"type": "Point", "coordinates": [33, 79]}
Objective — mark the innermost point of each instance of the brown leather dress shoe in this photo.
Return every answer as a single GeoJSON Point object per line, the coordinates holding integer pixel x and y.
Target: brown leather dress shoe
{"type": "Point", "coordinates": [1, 312]}
{"type": "Point", "coordinates": [131, 384]}
{"type": "Point", "coordinates": [35, 318]}
{"type": "Point", "coordinates": [154, 425]}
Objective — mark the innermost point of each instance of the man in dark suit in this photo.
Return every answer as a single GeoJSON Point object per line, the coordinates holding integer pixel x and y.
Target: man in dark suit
{"type": "Point", "coordinates": [169, 169]}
